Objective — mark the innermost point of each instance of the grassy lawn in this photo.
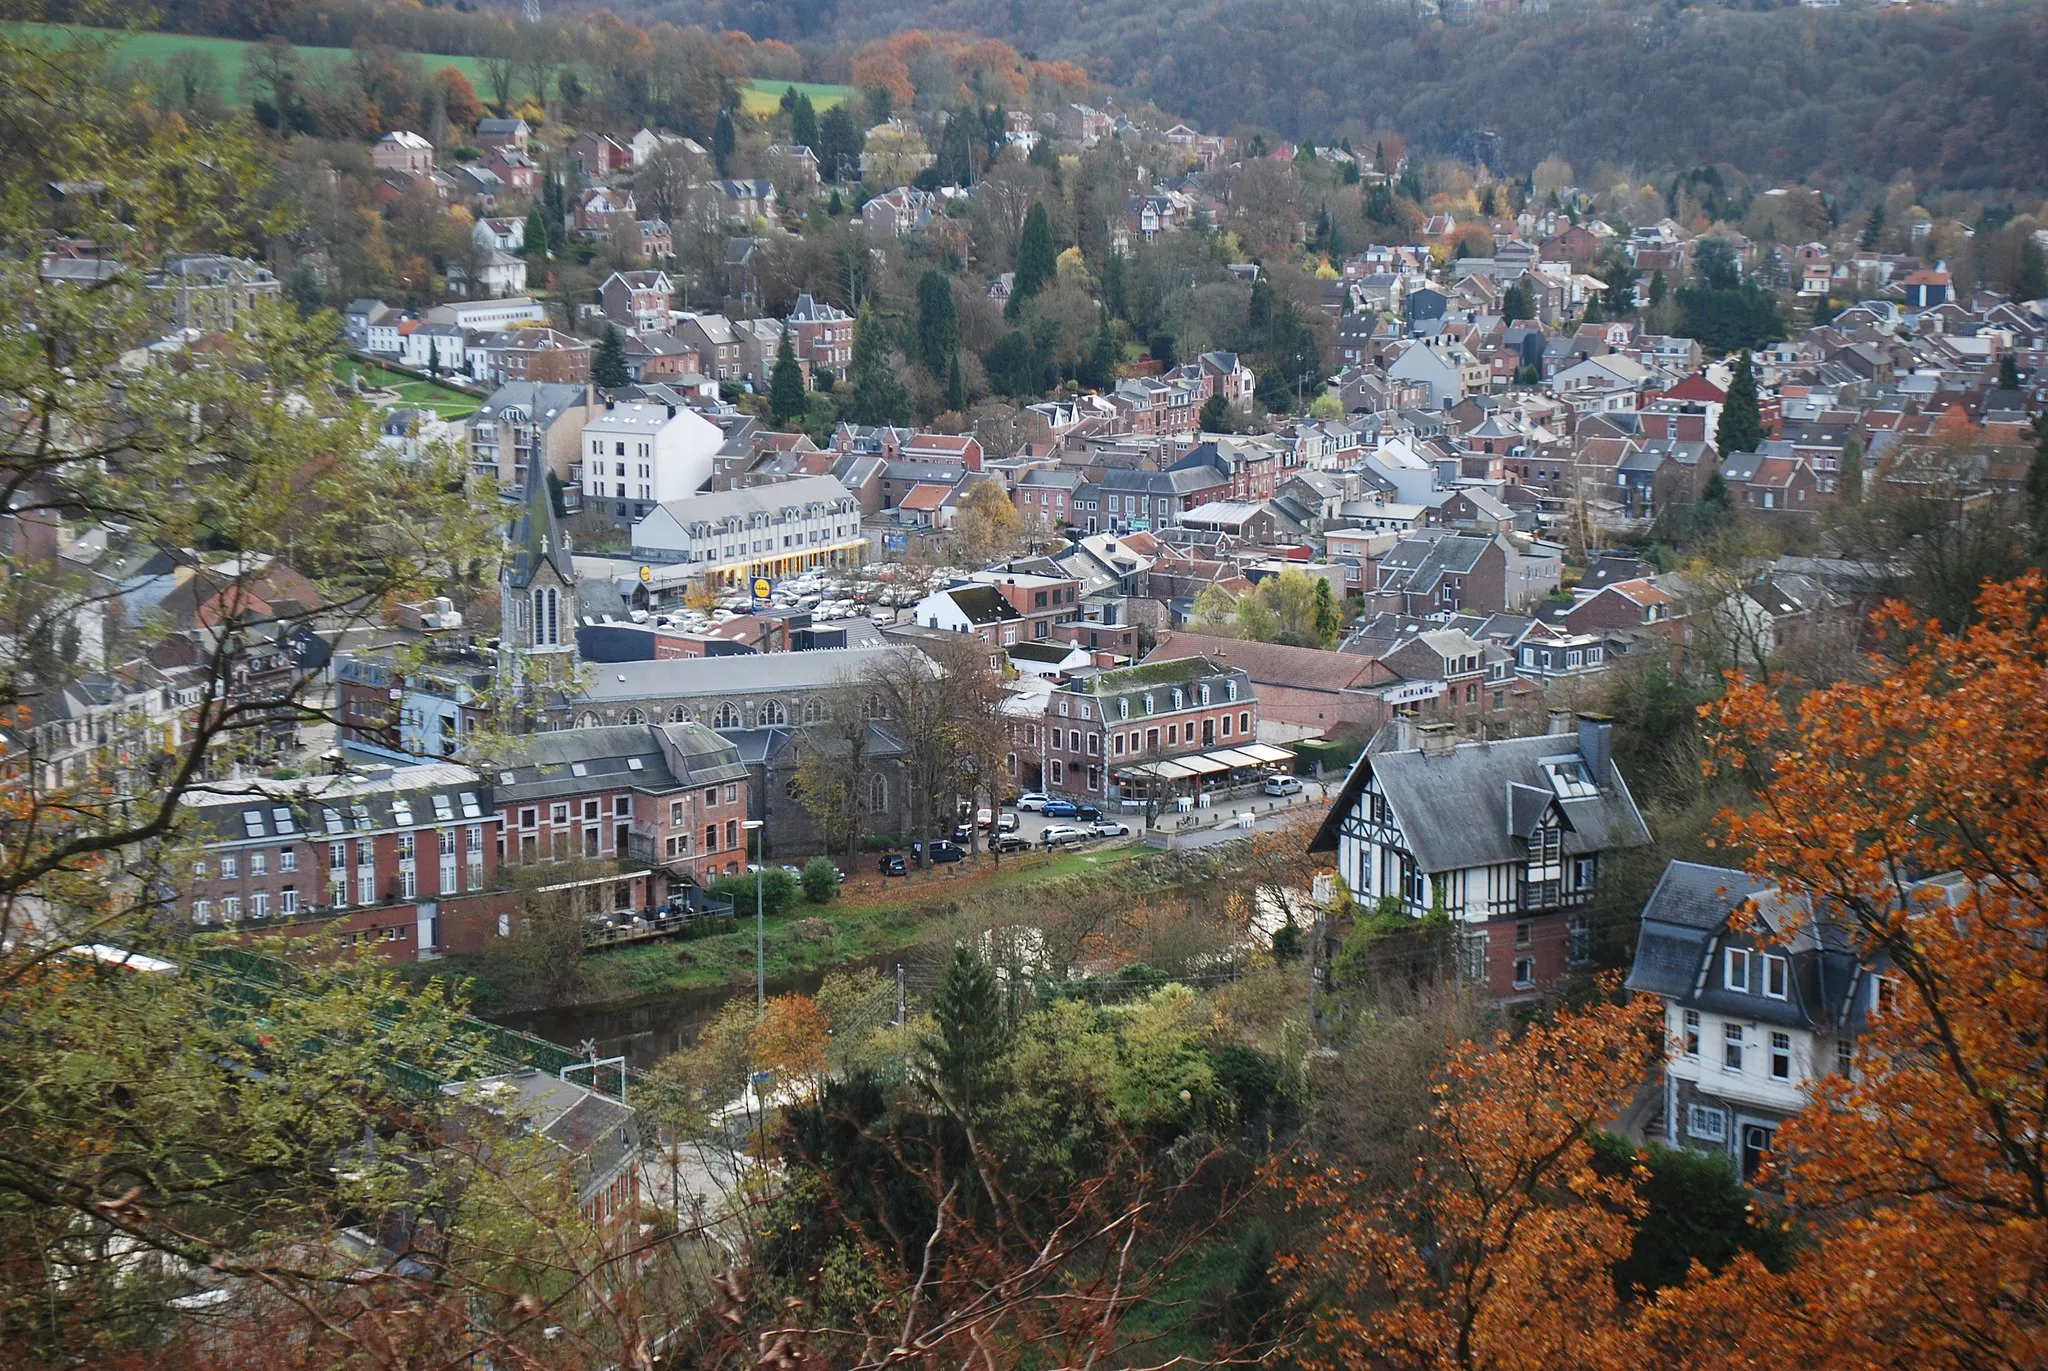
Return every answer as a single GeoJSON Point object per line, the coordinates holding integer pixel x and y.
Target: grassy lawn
{"type": "Point", "coordinates": [445, 401]}
{"type": "Point", "coordinates": [228, 53]}
{"type": "Point", "coordinates": [765, 97]}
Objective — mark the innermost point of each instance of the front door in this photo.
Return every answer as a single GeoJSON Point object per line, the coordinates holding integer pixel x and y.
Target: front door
{"type": "Point", "coordinates": [1208, 733]}
{"type": "Point", "coordinates": [1756, 1145]}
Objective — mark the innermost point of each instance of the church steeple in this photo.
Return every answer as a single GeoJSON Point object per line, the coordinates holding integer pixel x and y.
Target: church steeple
{"type": "Point", "coordinates": [537, 587]}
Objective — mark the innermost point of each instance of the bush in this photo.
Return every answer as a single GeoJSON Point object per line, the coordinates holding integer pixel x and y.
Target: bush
{"type": "Point", "coordinates": [820, 880]}
{"type": "Point", "coordinates": [1699, 1210]}
{"type": "Point", "coordinates": [778, 890]}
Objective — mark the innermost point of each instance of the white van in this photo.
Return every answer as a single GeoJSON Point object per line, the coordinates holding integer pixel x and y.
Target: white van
{"type": "Point", "coordinates": [1282, 785]}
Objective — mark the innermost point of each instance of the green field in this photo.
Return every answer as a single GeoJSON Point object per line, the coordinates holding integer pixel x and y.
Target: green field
{"type": "Point", "coordinates": [445, 401]}
{"type": "Point", "coordinates": [227, 53]}
{"type": "Point", "coordinates": [765, 97]}
{"type": "Point", "coordinates": [757, 97]}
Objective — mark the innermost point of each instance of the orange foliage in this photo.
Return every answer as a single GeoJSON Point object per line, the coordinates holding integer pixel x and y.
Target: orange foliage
{"type": "Point", "coordinates": [790, 1040]}
{"type": "Point", "coordinates": [1498, 1255]}
{"type": "Point", "coordinates": [883, 70]}
{"type": "Point", "coordinates": [458, 97]}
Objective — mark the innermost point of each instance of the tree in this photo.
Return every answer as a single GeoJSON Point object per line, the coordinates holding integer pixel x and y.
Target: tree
{"type": "Point", "coordinates": [723, 141]}
{"type": "Point", "coordinates": [2037, 487]}
{"type": "Point", "coordinates": [986, 526]}
{"type": "Point", "coordinates": [838, 145]}
{"type": "Point", "coordinates": [1873, 228]}
{"type": "Point", "coordinates": [1037, 260]}
{"type": "Point", "coordinates": [433, 358]}
{"type": "Point", "coordinates": [967, 1037]}
{"type": "Point", "coordinates": [1695, 1209]}
{"type": "Point", "coordinates": [534, 243]}
{"type": "Point", "coordinates": [1659, 287]}
{"type": "Point", "coordinates": [786, 399]}
{"type": "Point", "coordinates": [938, 326]}
{"type": "Point", "coordinates": [803, 123]}
{"type": "Point", "coordinates": [1519, 303]}
{"type": "Point", "coordinates": [820, 880]}
{"type": "Point", "coordinates": [608, 360]}
{"type": "Point", "coordinates": [2008, 372]}
{"type": "Point", "coordinates": [1742, 426]}
{"type": "Point", "coordinates": [1102, 358]}
{"type": "Point", "coordinates": [2030, 277]}
{"type": "Point", "coordinates": [1113, 285]}
{"type": "Point", "coordinates": [837, 766]}
{"type": "Point", "coordinates": [1326, 621]}
{"type": "Point", "coordinates": [1215, 416]}
{"type": "Point", "coordinates": [1849, 476]}
{"type": "Point", "coordinates": [1930, 1143]}
{"type": "Point", "coordinates": [879, 396]}
{"type": "Point", "coordinates": [1507, 1211]}
{"type": "Point", "coordinates": [956, 386]}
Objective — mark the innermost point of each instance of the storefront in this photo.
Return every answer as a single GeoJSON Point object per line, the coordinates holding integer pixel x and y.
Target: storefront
{"type": "Point", "coordinates": [1198, 774]}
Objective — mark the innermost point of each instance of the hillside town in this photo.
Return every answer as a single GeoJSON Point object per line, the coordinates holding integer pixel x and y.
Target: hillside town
{"type": "Point", "coordinates": [1042, 540]}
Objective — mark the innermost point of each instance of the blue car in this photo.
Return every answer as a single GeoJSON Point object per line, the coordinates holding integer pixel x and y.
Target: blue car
{"type": "Point", "coordinates": [1061, 809]}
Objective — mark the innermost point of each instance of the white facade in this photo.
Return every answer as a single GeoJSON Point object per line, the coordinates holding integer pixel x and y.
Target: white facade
{"type": "Point", "coordinates": [474, 315]}
{"type": "Point", "coordinates": [636, 456]}
{"type": "Point", "coordinates": [769, 530]}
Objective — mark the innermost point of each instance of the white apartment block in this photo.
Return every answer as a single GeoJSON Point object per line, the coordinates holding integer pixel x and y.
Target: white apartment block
{"type": "Point", "coordinates": [771, 530]}
{"type": "Point", "coordinates": [637, 455]}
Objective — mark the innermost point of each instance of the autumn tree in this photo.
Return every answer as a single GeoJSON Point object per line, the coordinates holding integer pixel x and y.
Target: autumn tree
{"type": "Point", "coordinates": [986, 524]}
{"type": "Point", "coordinates": [1499, 1253]}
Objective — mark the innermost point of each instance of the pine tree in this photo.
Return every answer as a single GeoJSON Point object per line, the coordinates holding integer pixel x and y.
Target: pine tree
{"type": "Point", "coordinates": [835, 207]}
{"type": "Point", "coordinates": [723, 140]}
{"type": "Point", "coordinates": [608, 363]}
{"type": "Point", "coordinates": [1216, 415]}
{"type": "Point", "coordinates": [968, 1036]}
{"type": "Point", "coordinates": [1850, 473]}
{"type": "Point", "coordinates": [1113, 285]}
{"type": "Point", "coordinates": [938, 326]}
{"type": "Point", "coordinates": [1519, 303]}
{"type": "Point", "coordinates": [433, 358]}
{"type": "Point", "coordinates": [536, 241]}
{"type": "Point", "coordinates": [1742, 425]}
{"type": "Point", "coordinates": [1327, 620]}
{"type": "Point", "coordinates": [803, 123]}
{"type": "Point", "coordinates": [878, 396]}
{"type": "Point", "coordinates": [2030, 281]}
{"type": "Point", "coordinates": [1037, 260]}
{"type": "Point", "coordinates": [786, 388]}
{"type": "Point", "coordinates": [1873, 229]}
{"type": "Point", "coordinates": [2008, 372]}
{"type": "Point", "coordinates": [1659, 287]}
{"type": "Point", "coordinates": [956, 387]}
{"type": "Point", "coordinates": [1102, 361]}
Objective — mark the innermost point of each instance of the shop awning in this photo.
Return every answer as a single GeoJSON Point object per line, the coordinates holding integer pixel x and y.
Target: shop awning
{"type": "Point", "coordinates": [1159, 771]}
{"type": "Point", "coordinates": [1266, 753]}
{"type": "Point", "coordinates": [1203, 765]}
{"type": "Point", "coordinates": [1233, 757]}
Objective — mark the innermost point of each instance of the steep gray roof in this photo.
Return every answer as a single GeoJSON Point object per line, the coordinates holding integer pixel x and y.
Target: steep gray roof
{"type": "Point", "coordinates": [1471, 806]}
{"type": "Point", "coordinates": [750, 673]}
{"type": "Point", "coordinates": [536, 539]}
{"type": "Point", "coordinates": [656, 757]}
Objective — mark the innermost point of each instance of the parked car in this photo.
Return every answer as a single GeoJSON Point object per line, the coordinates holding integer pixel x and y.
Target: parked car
{"type": "Point", "coordinates": [1060, 809]}
{"type": "Point", "coordinates": [1282, 785]}
{"type": "Point", "coordinates": [1109, 828]}
{"type": "Point", "coordinates": [942, 851]}
{"type": "Point", "coordinates": [1087, 814]}
{"type": "Point", "coordinates": [1009, 842]}
{"type": "Point", "coordinates": [1005, 821]}
{"type": "Point", "coordinates": [892, 864]}
{"type": "Point", "coordinates": [963, 832]}
{"type": "Point", "coordinates": [1063, 835]}
{"type": "Point", "coordinates": [1034, 801]}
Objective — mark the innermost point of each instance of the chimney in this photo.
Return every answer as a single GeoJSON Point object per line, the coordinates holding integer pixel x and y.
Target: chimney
{"type": "Point", "coordinates": [1559, 721]}
{"type": "Point", "coordinates": [1404, 733]}
{"type": "Point", "coordinates": [1596, 746]}
{"type": "Point", "coordinates": [1437, 739]}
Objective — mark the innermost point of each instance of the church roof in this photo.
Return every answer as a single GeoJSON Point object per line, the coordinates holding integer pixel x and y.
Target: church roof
{"type": "Point", "coordinates": [536, 538]}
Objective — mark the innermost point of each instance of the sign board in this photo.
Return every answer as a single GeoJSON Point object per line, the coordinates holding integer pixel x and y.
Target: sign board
{"type": "Point", "coordinates": [646, 574]}
{"type": "Point", "coordinates": [895, 542]}
{"type": "Point", "coordinates": [763, 590]}
{"type": "Point", "coordinates": [1414, 690]}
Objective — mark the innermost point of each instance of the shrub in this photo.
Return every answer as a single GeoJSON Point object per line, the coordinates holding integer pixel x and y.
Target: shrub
{"type": "Point", "coordinates": [820, 880]}
{"type": "Point", "coordinates": [778, 890]}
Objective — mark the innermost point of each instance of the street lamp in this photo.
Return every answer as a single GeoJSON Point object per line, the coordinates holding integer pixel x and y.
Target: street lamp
{"type": "Point", "coordinates": [760, 937]}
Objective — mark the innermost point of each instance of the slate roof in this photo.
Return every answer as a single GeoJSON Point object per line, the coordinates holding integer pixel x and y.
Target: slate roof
{"type": "Point", "coordinates": [982, 604]}
{"type": "Point", "coordinates": [536, 540]}
{"type": "Point", "coordinates": [721, 676]}
{"type": "Point", "coordinates": [1457, 811]}
{"type": "Point", "coordinates": [632, 755]}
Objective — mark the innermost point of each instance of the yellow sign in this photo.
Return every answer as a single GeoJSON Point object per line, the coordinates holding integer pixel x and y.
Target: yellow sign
{"type": "Point", "coordinates": [646, 574]}
{"type": "Point", "coordinates": [762, 588]}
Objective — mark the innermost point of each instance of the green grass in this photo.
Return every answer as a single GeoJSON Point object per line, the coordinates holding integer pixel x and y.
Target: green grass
{"type": "Point", "coordinates": [765, 97]}
{"type": "Point", "coordinates": [228, 53]}
{"type": "Point", "coordinates": [445, 401]}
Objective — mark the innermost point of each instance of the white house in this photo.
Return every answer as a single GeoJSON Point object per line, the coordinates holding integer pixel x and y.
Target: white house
{"type": "Point", "coordinates": [1506, 836]}
{"type": "Point", "coordinates": [1752, 1018]}
{"type": "Point", "coordinates": [1413, 478]}
{"type": "Point", "coordinates": [770, 530]}
{"type": "Point", "coordinates": [434, 347]}
{"type": "Point", "coordinates": [638, 455]}
{"type": "Point", "coordinates": [477, 315]}
{"type": "Point", "coordinates": [503, 234]}
{"type": "Point", "coordinates": [498, 274]}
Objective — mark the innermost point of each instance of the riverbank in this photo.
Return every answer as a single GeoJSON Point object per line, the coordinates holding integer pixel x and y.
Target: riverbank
{"type": "Point", "coordinates": [872, 917]}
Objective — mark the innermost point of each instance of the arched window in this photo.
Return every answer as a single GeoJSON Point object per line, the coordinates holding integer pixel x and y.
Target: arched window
{"type": "Point", "coordinates": [728, 716]}
{"type": "Point", "coordinates": [634, 716]}
{"type": "Point", "coordinates": [878, 795]}
{"type": "Point", "coordinates": [547, 625]}
{"type": "Point", "coordinates": [875, 708]}
{"type": "Point", "coordinates": [589, 720]}
{"type": "Point", "coordinates": [679, 715]}
{"type": "Point", "coordinates": [814, 710]}
{"type": "Point", "coordinates": [771, 712]}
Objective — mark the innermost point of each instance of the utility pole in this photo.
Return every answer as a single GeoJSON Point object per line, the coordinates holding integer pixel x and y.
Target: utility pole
{"type": "Point", "coordinates": [902, 1005]}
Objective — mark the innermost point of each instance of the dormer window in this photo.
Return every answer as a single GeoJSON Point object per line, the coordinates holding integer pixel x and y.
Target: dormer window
{"type": "Point", "coordinates": [1777, 977]}
{"type": "Point", "coordinates": [1735, 969]}
{"type": "Point", "coordinates": [1179, 698]}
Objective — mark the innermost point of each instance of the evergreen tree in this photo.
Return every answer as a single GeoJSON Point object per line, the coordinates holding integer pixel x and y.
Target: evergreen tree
{"type": "Point", "coordinates": [1379, 157]}
{"type": "Point", "coordinates": [1326, 621]}
{"type": "Point", "coordinates": [835, 206]}
{"type": "Point", "coordinates": [1873, 229]}
{"type": "Point", "coordinates": [1308, 150]}
{"type": "Point", "coordinates": [1850, 473]}
{"type": "Point", "coordinates": [723, 140]}
{"type": "Point", "coordinates": [1258, 313]}
{"type": "Point", "coordinates": [803, 123]}
{"type": "Point", "coordinates": [788, 101]}
{"type": "Point", "coordinates": [1742, 425]}
{"type": "Point", "coordinates": [1823, 311]}
{"type": "Point", "coordinates": [838, 145]}
{"type": "Point", "coordinates": [1113, 285]}
{"type": "Point", "coordinates": [2030, 281]}
{"type": "Point", "coordinates": [1659, 287]}
{"type": "Point", "coordinates": [2008, 372]}
{"type": "Point", "coordinates": [536, 241]}
{"type": "Point", "coordinates": [956, 387]}
{"type": "Point", "coordinates": [1216, 415]}
{"type": "Point", "coordinates": [1037, 260]}
{"type": "Point", "coordinates": [1519, 303]}
{"type": "Point", "coordinates": [967, 1038]}
{"type": "Point", "coordinates": [1102, 360]}
{"type": "Point", "coordinates": [878, 396]}
{"type": "Point", "coordinates": [938, 326]}
{"type": "Point", "coordinates": [786, 390]}
{"type": "Point", "coordinates": [608, 362]}
{"type": "Point", "coordinates": [433, 358]}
